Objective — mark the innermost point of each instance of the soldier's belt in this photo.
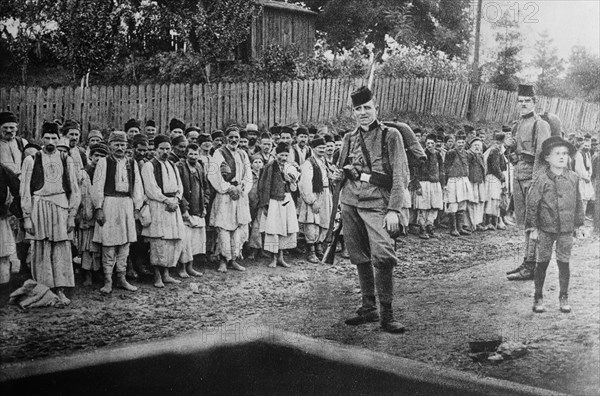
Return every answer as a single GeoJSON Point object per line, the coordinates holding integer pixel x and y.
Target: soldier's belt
{"type": "Point", "coordinates": [377, 179]}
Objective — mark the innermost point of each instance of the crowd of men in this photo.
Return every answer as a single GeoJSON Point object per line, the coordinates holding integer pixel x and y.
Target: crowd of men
{"type": "Point", "coordinates": [138, 201]}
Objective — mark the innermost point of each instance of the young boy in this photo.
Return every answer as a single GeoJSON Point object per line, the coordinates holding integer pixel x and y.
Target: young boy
{"type": "Point", "coordinates": [554, 210]}
{"type": "Point", "coordinates": [255, 240]}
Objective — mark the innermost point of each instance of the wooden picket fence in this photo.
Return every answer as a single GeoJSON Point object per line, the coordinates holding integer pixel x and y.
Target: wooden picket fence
{"type": "Point", "coordinates": [212, 106]}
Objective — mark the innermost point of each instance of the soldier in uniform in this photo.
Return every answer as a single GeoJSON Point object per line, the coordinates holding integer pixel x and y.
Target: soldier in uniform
{"type": "Point", "coordinates": [529, 132]}
{"type": "Point", "coordinates": [374, 177]}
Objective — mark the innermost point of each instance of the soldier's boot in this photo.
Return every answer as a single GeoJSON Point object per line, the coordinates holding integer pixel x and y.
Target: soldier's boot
{"type": "Point", "coordinates": [517, 269]}
{"type": "Point", "coordinates": [452, 224]}
{"type": "Point", "coordinates": [388, 323]}
{"type": "Point", "coordinates": [108, 283]}
{"type": "Point", "coordinates": [123, 284]}
{"type": "Point", "coordinates": [525, 273]}
{"type": "Point", "coordinates": [538, 280]}
{"type": "Point", "coordinates": [422, 233]}
{"type": "Point", "coordinates": [312, 257]}
{"type": "Point", "coordinates": [365, 314]}
{"type": "Point", "coordinates": [460, 224]}
{"type": "Point", "coordinates": [563, 282]}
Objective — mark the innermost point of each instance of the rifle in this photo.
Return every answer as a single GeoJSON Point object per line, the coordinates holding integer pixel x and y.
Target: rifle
{"type": "Point", "coordinates": [329, 255]}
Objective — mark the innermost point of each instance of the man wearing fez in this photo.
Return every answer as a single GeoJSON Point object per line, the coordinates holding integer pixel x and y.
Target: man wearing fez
{"type": "Point", "coordinates": [164, 191]}
{"type": "Point", "coordinates": [266, 147]}
{"type": "Point", "coordinates": [179, 144]}
{"type": "Point", "coordinates": [11, 146]}
{"type": "Point", "coordinates": [374, 177]}
{"type": "Point", "coordinates": [231, 177]}
{"type": "Point", "coordinates": [132, 127]}
{"type": "Point", "coordinates": [150, 129]}
{"type": "Point", "coordinates": [176, 127]}
{"type": "Point", "coordinates": [218, 138]}
{"type": "Point", "coordinates": [118, 194]}
{"type": "Point", "coordinates": [139, 250]}
{"type": "Point", "coordinates": [252, 133]}
{"type": "Point", "coordinates": [529, 132]}
{"type": "Point", "coordinates": [71, 130]}
{"type": "Point", "coordinates": [50, 198]}
{"type": "Point", "coordinates": [192, 133]}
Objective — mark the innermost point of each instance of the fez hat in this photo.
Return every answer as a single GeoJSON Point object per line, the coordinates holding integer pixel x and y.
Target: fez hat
{"type": "Point", "coordinates": [499, 136]}
{"type": "Point", "coordinates": [151, 123]}
{"type": "Point", "coordinates": [176, 124]}
{"type": "Point", "coordinates": [6, 117]}
{"type": "Point", "coordinates": [328, 138]}
{"type": "Point", "coordinates": [32, 145]}
{"type": "Point", "coordinates": [316, 142]}
{"type": "Point", "coordinates": [95, 133]}
{"type": "Point", "coordinates": [265, 135]}
{"type": "Point", "coordinates": [526, 90]}
{"type": "Point", "coordinates": [506, 128]}
{"type": "Point", "coordinates": [204, 138]}
{"type": "Point", "coordinates": [361, 96]}
{"type": "Point", "coordinates": [99, 148]}
{"type": "Point", "coordinates": [287, 129]}
{"type": "Point", "coordinates": [158, 139]}
{"type": "Point", "coordinates": [556, 141]}
{"type": "Point", "coordinates": [282, 147]}
{"type": "Point", "coordinates": [337, 138]}
{"type": "Point", "coordinates": [117, 136]}
{"type": "Point", "coordinates": [312, 129]}
{"type": "Point", "coordinates": [252, 128]}
{"type": "Point", "coordinates": [302, 130]}
{"type": "Point", "coordinates": [431, 136]}
{"type": "Point", "coordinates": [132, 123]}
{"type": "Point", "coordinates": [217, 134]}
{"type": "Point", "coordinates": [178, 139]}
{"type": "Point", "coordinates": [70, 124]}
{"type": "Point", "coordinates": [232, 128]}
{"type": "Point", "coordinates": [139, 138]}
{"type": "Point", "coordinates": [275, 129]}
{"type": "Point", "coordinates": [191, 129]}
{"type": "Point", "coordinates": [50, 127]}
{"type": "Point", "coordinates": [243, 134]}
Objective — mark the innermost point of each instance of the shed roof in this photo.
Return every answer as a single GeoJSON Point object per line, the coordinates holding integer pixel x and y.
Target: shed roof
{"type": "Point", "coordinates": [286, 7]}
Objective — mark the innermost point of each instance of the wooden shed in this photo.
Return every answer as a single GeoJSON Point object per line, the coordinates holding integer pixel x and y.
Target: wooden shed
{"type": "Point", "coordinates": [281, 24]}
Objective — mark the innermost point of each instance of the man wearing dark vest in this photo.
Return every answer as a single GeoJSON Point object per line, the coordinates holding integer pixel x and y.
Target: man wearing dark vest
{"type": "Point", "coordinates": [50, 198]}
{"type": "Point", "coordinates": [529, 132]}
{"type": "Point", "coordinates": [315, 200]}
{"type": "Point", "coordinates": [374, 179]}
{"type": "Point", "coordinates": [300, 151]}
{"type": "Point", "coordinates": [164, 192]}
{"type": "Point", "coordinates": [11, 145]}
{"type": "Point", "coordinates": [117, 194]}
{"type": "Point", "coordinates": [231, 177]}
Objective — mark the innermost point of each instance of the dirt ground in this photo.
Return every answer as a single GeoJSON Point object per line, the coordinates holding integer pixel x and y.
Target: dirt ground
{"type": "Point", "coordinates": [449, 291]}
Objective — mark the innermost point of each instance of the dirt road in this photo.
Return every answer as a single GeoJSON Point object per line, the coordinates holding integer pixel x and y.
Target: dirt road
{"type": "Point", "coordinates": [449, 291]}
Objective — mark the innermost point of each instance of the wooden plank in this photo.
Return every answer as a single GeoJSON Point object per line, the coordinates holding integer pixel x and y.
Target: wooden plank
{"type": "Point", "coordinates": [293, 97]}
{"type": "Point", "coordinates": [315, 101]}
{"type": "Point", "coordinates": [261, 101]}
{"type": "Point", "coordinates": [251, 104]}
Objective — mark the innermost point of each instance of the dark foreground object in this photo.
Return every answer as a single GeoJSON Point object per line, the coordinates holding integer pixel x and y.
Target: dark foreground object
{"type": "Point", "coordinates": [243, 360]}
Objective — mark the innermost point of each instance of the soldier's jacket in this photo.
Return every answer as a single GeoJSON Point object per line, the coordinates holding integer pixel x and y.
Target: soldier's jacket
{"type": "Point", "coordinates": [528, 144]}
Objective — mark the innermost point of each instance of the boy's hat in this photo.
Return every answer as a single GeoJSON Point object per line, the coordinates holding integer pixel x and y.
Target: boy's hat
{"type": "Point", "coordinates": [556, 141]}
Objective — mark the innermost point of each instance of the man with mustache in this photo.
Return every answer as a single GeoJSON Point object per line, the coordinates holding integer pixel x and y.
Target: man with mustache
{"type": "Point", "coordinates": [11, 145]}
{"type": "Point", "coordinates": [71, 130]}
{"type": "Point", "coordinates": [164, 191]}
{"type": "Point", "coordinates": [117, 194]}
{"type": "Point", "coordinates": [252, 133]}
{"type": "Point", "coordinates": [529, 132]}
{"type": "Point", "coordinates": [231, 177]}
{"type": "Point", "coordinates": [50, 198]}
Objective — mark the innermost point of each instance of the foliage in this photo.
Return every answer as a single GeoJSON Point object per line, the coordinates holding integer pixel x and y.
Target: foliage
{"type": "Point", "coordinates": [508, 64]}
{"type": "Point", "coordinates": [440, 24]}
{"type": "Point", "coordinates": [546, 59]}
{"type": "Point", "coordinates": [583, 76]}
{"type": "Point", "coordinates": [407, 62]}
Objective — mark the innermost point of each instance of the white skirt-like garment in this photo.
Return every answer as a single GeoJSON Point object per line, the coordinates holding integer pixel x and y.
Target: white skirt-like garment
{"type": "Point", "coordinates": [459, 190]}
{"type": "Point", "coordinates": [194, 240]}
{"type": "Point", "coordinates": [493, 187]}
{"type": "Point", "coordinates": [280, 218]}
{"type": "Point", "coordinates": [8, 246]}
{"type": "Point", "coordinates": [479, 192]}
{"type": "Point", "coordinates": [586, 190]}
{"type": "Point", "coordinates": [119, 227]}
{"type": "Point", "coordinates": [432, 196]}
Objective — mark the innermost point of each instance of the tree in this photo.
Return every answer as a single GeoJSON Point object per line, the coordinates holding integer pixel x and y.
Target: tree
{"type": "Point", "coordinates": [546, 59]}
{"type": "Point", "coordinates": [434, 24]}
{"type": "Point", "coordinates": [582, 76]}
{"type": "Point", "coordinates": [507, 63]}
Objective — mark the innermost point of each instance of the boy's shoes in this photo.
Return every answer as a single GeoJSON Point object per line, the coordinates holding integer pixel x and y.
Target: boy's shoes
{"type": "Point", "coordinates": [523, 274]}
{"type": "Point", "coordinates": [564, 304]}
{"type": "Point", "coordinates": [538, 305]}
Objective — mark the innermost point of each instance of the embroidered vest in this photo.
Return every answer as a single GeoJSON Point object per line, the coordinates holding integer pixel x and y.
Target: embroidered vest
{"type": "Point", "coordinates": [37, 175]}
{"type": "Point", "coordinates": [111, 170]}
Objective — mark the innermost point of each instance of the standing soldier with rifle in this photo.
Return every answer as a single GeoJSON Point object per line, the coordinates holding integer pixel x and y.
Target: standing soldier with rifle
{"type": "Point", "coordinates": [374, 177]}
